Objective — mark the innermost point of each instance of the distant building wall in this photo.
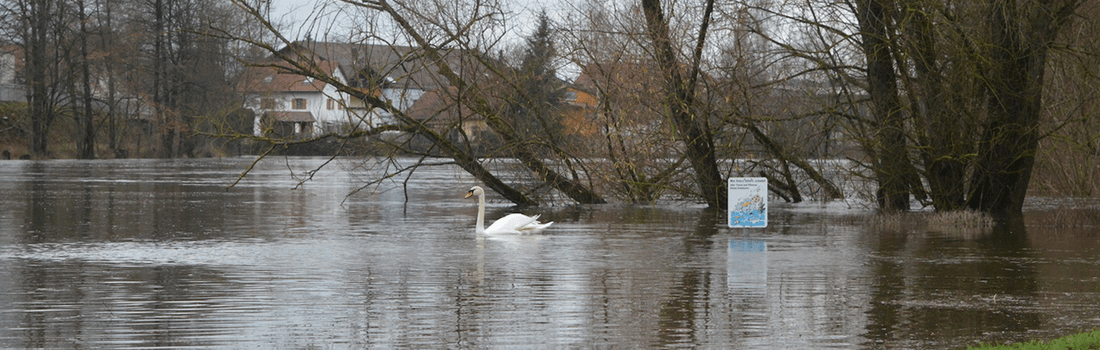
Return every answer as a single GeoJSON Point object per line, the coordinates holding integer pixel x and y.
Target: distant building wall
{"type": "Point", "coordinates": [12, 93]}
{"type": "Point", "coordinates": [10, 90]}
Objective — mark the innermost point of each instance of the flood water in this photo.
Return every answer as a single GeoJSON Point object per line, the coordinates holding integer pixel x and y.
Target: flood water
{"type": "Point", "coordinates": [157, 253]}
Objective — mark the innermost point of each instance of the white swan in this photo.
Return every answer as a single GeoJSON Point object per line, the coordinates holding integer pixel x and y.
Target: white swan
{"type": "Point", "coordinates": [510, 224]}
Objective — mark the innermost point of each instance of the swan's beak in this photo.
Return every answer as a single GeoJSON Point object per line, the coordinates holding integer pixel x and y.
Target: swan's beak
{"type": "Point", "coordinates": [468, 194]}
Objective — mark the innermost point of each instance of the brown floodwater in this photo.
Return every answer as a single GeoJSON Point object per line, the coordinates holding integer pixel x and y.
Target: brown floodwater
{"type": "Point", "coordinates": [157, 253]}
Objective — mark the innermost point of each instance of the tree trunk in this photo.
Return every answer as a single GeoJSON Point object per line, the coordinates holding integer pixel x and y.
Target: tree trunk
{"type": "Point", "coordinates": [107, 40]}
{"type": "Point", "coordinates": [680, 99]}
{"type": "Point", "coordinates": [893, 170]}
{"type": "Point", "coordinates": [36, 42]}
{"type": "Point", "coordinates": [1006, 151]}
{"type": "Point", "coordinates": [944, 137]}
{"type": "Point", "coordinates": [165, 129]}
{"type": "Point", "coordinates": [86, 146]}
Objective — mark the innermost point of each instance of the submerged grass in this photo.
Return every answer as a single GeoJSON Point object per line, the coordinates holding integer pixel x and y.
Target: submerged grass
{"type": "Point", "coordinates": [962, 222]}
{"type": "Point", "coordinates": [1080, 341]}
{"type": "Point", "coordinates": [1070, 218]}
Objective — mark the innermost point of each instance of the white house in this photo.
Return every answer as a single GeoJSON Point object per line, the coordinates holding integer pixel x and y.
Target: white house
{"type": "Point", "coordinates": [288, 104]}
{"type": "Point", "coordinates": [295, 105]}
{"type": "Point", "coordinates": [399, 75]}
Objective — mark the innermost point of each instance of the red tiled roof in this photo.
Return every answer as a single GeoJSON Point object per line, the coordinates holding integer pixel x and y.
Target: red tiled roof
{"type": "Point", "coordinates": [271, 79]}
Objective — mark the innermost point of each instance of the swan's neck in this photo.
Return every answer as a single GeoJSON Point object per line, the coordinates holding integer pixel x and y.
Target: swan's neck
{"type": "Point", "coordinates": [480, 214]}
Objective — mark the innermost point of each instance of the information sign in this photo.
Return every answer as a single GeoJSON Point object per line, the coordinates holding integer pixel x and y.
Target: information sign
{"type": "Point", "coordinates": [748, 201]}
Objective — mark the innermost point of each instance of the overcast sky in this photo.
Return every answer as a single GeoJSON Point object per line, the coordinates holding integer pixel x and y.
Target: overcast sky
{"type": "Point", "coordinates": [302, 12]}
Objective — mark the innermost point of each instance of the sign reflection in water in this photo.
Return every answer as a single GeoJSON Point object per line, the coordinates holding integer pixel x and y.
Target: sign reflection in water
{"type": "Point", "coordinates": [151, 253]}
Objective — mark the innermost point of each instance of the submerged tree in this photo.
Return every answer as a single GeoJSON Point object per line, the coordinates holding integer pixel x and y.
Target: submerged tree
{"type": "Point", "coordinates": [955, 93]}
{"type": "Point", "coordinates": [681, 108]}
{"type": "Point", "coordinates": [680, 97]}
{"type": "Point", "coordinates": [477, 101]}
{"type": "Point", "coordinates": [436, 42]}
{"type": "Point", "coordinates": [1021, 36]}
{"type": "Point", "coordinates": [894, 172]}
{"type": "Point", "coordinates": [1008, 56]}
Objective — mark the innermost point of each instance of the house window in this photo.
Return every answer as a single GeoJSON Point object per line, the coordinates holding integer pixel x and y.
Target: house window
{"type": "Point", "coordinates": [299, 103]}
{"type": "Point", "coordinates": [332, 104]}
{"type": "Point", "coordinates": [267, 103]}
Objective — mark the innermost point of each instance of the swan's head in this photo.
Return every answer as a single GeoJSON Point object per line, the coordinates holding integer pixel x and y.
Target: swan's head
{"type": "Point", "coordinates": [475, 191]}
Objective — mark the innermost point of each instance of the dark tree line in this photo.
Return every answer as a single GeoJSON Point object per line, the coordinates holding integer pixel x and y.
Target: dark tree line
{"type": "Point", "coordinates": [123, 77]}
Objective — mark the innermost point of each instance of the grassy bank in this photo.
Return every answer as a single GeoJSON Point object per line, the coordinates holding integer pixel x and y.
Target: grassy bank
{"type": "Point", "coordinates": [1080, 341]}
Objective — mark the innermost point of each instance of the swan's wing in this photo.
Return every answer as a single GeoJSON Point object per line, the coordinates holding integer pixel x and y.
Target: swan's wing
{"type": "Point", "coordinates": [510, 223]}
{"type": "Point", "coordinates": [517, 223]}
{"type": "Point", "coordinates": [535, 227]}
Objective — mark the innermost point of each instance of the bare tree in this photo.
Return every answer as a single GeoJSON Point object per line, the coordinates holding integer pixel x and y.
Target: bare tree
{"type": "Point", "coordinates": [572, 188]}
{"type": "Point", "coordinates": [434, 38]}
{"type": "Point", "coordinates": [38, 28]}
{"type": "Point", "coordinates": [86, 145]}
{"type": "Point", "coordinates": [1021, 35]}
{"type": "Point", "coordinates": [894, 171]}
{"type": "Point", "coordinates": [642, 154]}
{"type": "Point", "coordinates": [691, 124]}
{"type": "Point", "coordinates": [925, 64]}
{"type": "Point", "coordinates": [1065, 164]}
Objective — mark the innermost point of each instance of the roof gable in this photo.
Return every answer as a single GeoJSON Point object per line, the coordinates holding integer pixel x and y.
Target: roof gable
{"type": "Point", "coordinates": [390, 66]}
{"type": "Point", "coordinates": [274, 77]}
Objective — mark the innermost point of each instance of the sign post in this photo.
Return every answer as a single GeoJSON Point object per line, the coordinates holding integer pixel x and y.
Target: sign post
{"type": "Point", "coordinates": [748, 201]}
